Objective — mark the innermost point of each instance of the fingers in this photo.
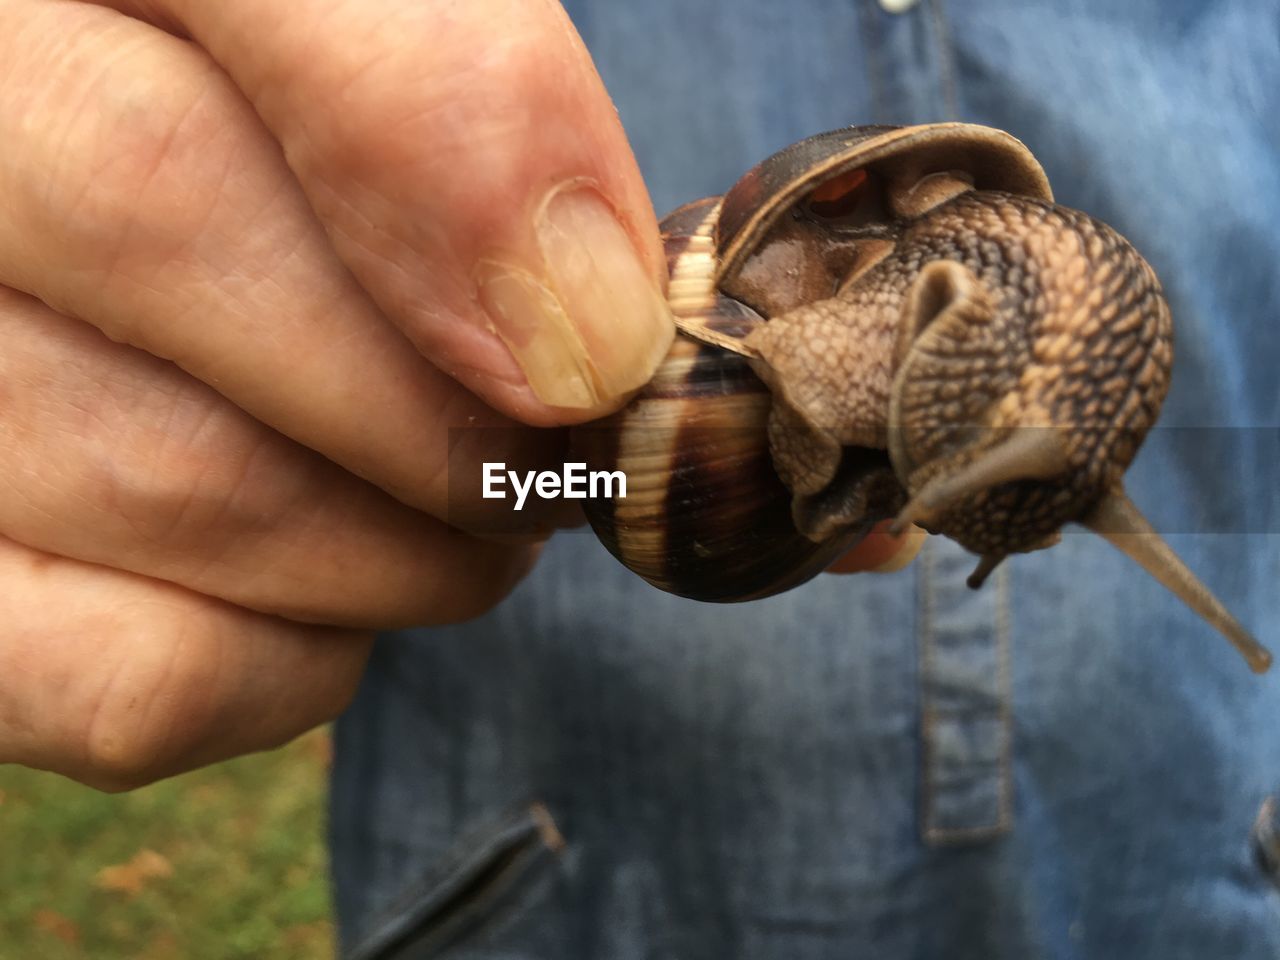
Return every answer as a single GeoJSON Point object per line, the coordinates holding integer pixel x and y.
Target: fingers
{"type": "Point", "coordinates": [881, 551]}
{"type": "Point", "coordinates": [112, 456]}
{"type": "Point", "coordinates": [117, 680]}
{"type": "Point", "coordinates": [472, 172]}
{"type": "Point", "coordinates": [149, 201]}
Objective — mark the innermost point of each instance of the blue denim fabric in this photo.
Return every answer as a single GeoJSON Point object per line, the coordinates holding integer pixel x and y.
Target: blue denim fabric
{"type": "Point", "coordinates": [1066, 764]}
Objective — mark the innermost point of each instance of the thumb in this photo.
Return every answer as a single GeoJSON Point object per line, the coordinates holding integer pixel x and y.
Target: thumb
{"type": "Point", "coordinates": [472, 172]}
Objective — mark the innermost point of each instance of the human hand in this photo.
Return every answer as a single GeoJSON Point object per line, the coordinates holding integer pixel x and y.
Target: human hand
{"type": "Point", "coordinates": [258, 260]}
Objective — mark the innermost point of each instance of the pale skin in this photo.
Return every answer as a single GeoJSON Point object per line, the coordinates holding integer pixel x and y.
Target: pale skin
{"type": "Point", "coordinates": [256, 260]}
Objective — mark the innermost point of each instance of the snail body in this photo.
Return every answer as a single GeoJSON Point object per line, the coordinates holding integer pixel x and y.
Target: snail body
{"type": "Point", "coordinates": [890, 323]}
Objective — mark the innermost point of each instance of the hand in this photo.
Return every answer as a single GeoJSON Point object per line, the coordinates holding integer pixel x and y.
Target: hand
{"type": "Point", "coordinates": [258, 259]}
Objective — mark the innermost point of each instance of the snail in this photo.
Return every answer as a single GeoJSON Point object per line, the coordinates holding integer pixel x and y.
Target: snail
{"type": "Point", "coordinates": [890, 323]}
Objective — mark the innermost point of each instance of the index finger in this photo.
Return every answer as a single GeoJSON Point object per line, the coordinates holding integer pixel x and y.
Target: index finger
{"type": "Point", "coordinates": [472, 172]}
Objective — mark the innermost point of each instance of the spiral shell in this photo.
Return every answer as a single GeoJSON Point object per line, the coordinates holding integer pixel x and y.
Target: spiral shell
{"type": "Point", "coordinates": [705, 515]}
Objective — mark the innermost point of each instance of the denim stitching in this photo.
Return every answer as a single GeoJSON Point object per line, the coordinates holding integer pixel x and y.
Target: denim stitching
{"type": "Point", "coordinates": [964, 716]}
{"type": "Point", "coordinates": [946, 60]}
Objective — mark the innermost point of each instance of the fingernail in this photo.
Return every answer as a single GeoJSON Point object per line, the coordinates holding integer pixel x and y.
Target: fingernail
{"type": "Point", "coordinates": [587, 325]}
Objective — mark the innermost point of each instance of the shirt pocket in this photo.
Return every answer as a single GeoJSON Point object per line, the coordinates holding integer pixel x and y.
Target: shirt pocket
{"type": "Point", "coordinates": [489, 880]}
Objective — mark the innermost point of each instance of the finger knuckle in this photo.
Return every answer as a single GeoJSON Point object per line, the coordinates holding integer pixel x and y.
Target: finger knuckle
{"type": "Point", "coordinates": [470, 100]}
{"type": "Point", "coordinates": [142, 165]}
{"type": "Point", "coordinates": [156, 700]}
{"type": "Point", "coordinates": [187, 479]}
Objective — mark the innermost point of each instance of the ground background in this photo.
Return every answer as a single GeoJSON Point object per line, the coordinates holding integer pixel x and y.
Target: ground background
{"type": "Point", "coordinates": [221, 864]}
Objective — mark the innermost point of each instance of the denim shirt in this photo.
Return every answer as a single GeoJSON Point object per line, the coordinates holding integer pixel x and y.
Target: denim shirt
{"type": "Point", "coordinates": [1065, 764]}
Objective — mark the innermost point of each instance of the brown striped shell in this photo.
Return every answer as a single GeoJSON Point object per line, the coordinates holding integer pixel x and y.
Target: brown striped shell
{"type": "Point", "coordinates": [882, 323]}
{"type": "Point", "coordinates": [705, 514]}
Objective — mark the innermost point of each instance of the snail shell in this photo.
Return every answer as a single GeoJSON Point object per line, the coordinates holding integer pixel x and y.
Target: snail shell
{"type": "Point", "coordinates": [881, 323]}
{"type": "Point", "coordinates": [706, 515]}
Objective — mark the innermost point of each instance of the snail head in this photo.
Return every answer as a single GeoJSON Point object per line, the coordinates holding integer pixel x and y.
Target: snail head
{"type": "Point", "coordinates": [1021, 349]}
{"type": "Point", "coordinates": [1034, 354]}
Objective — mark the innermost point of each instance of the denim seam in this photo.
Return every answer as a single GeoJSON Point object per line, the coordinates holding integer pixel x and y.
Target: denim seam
{"type": "Point", "coordinates": [927, 712]}
{"type": "Point", "coordinates": [932, 834]}
{"type": "Point", "coordinates": [875, 67]}
{"type": "Point", "coordinates": [1004, 805]}
{"type": "Point", "coordinates": [1004, 654]}
{"type": "Point", "coordinates": [946, 60]}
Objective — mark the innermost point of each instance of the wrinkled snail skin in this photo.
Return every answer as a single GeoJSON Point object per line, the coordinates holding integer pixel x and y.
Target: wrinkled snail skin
{"type": "Point", "coordinates": [997, 321]}
{"type": "Point", "coordinates": [890, 323]}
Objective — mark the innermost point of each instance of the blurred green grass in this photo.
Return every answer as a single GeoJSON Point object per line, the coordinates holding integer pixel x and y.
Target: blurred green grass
{"type": "Point", "coordinates": [221, 864]}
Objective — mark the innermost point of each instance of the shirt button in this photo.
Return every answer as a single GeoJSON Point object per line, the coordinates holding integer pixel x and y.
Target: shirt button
{"type": "Point", "coordinates": [897, 6]}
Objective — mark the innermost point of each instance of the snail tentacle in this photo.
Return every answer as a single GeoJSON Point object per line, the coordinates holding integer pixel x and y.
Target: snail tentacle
{"type": "Point", "coordinates": [1029, 453]}
{"type": "Point", "coordinates": [1121, 524]}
